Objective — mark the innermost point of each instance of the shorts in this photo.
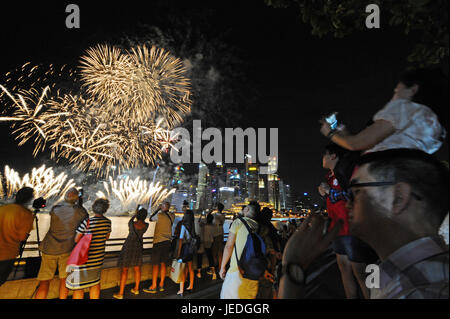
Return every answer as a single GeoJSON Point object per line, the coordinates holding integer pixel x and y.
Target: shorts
{"type": "Point", "coordinates": [6, 267]}
{"type": "Point", "coordinates": [217, 245]}
{"type": "Point", "coordinates": [49, 264]}
{"type": "Point", "coordinates": [161, 253]}
{"type": "Point", "coordinates": [355, 249]}
{"type": "Point", "coordinates": [236, 287]}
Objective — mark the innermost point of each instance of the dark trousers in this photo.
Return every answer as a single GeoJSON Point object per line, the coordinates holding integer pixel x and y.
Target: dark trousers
{"type": "Point", "coordinates": [209, 254]}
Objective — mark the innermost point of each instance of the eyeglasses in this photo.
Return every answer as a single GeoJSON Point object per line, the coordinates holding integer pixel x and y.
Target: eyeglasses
{"type": "Point", "coordinates": [351, 196]}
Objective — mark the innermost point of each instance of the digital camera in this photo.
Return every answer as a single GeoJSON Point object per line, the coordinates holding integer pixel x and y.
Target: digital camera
{"type": "Point", "coordinates": [39, 203]}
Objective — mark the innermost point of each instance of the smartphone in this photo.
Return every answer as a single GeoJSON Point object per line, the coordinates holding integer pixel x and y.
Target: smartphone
{"type": "Point", "coordinates": [332, 120]}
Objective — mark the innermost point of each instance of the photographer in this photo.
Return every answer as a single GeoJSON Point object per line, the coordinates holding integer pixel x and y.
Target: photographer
{"type": "Point", "coordinates": [132, 251]}
{"type": "Point", "coordinates": [409, 120]}
{"type": "Point", "coordinates": [59, 242]}
{"type": "Point", "coordinates": [16, 222]}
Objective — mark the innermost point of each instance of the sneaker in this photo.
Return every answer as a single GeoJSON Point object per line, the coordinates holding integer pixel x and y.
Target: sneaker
{"type": "Point", "coordinates": [117, 296]}
{"type": "Point", "coordinates": [135, 292]}
{"type": "Point", "coordinates": [150, 290]}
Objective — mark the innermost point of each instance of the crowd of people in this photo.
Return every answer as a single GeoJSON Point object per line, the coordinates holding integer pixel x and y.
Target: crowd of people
{"type": "Point", "coordinates": [387, 199]}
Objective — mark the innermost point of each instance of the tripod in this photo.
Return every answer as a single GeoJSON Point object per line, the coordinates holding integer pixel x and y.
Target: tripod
{"type": "Point", "coordinates": [23, 243]}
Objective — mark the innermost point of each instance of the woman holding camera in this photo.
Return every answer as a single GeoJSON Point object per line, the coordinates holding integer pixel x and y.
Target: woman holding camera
{"type": "Point", "coordinates": [131, 254]}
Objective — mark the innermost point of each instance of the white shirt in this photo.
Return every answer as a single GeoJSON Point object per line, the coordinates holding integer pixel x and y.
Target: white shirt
{"type": "Point", "coordinates": [443, 231]}
{"type": "Point", "coordinates": [416, 127]}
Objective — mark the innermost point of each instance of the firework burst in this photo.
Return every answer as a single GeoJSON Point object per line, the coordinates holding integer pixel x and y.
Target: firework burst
{"type": "Point", "coordinates": [113, 119]}
{"type": "Point", "coordinates": [132, 192]}
{"type": "Point", "coordinates": [43, 180]}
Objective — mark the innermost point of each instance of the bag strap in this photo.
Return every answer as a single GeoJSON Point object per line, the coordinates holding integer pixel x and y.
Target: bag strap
{"type": "Point", "coordinates": [134, 228]}
{"type": "Point", "coordinates": [246, 225]}
{"type": "Point", "coordinates": [171, 221]}
{"type": "Point", "coordinates": [249, 231]}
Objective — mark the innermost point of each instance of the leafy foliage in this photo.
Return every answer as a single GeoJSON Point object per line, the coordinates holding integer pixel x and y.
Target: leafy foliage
{"type": "Point", "coordinates": [426, 19]}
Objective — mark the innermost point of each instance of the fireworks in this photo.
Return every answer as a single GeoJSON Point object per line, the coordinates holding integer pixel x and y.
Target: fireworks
{"type": "Point", "coordinates": [43, 180]}
{"type": "Point", "coordinates": [131, 192]}
{"type": "Point", "coordinates": [123, 115]}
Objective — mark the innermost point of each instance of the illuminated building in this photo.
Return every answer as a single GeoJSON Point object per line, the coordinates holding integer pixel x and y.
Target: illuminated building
{"type": "Point", "coordinates": [263, 188]}
{"type": "Point", "coordinates": [226, 196]}
{"type": "Point", "coordinates": [177, 178]}
{"type": "Point", "coordinates": [274, 190]}
{"type": "Point", "coordinates": [201, 201]}
{"type": "Point", "coordinates": [252, 178]}
{"type": "Point", "coordinates": [177, 199]}
{"type": "Point", "coordinates": [282, 194]}
{"type": "Point", "coordinates": [288, 194]}
{"type": "Point", "coordinates": [273, 183]}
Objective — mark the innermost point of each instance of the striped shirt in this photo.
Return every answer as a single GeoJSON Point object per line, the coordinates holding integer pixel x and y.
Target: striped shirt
{"type": "Point", "coordinates": [100, 227]}
{"type": "Point", "coordinates": [418, 270]}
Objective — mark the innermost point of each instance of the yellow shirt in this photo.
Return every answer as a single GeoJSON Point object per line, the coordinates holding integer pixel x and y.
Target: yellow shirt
{"type": "Point", "coordinates": [16, 222]}
{"type": "Point", "coordinates": [239, 229]}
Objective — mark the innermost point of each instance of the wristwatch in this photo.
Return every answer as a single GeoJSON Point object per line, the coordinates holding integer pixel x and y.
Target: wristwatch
{"type": "Point", "coordinates": [294, 272]}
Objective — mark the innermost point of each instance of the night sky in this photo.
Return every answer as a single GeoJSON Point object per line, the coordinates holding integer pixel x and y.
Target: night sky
{"type": "Point", "coordinates": [295, 77]}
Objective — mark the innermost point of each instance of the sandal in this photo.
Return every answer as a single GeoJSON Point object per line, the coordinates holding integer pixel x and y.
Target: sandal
{"type": "Point", "coordinates": [135, 292]}
{"type": "Point", "coordinates": [150, 290]}
{"type": "Point", "coordinates": [117, 296]}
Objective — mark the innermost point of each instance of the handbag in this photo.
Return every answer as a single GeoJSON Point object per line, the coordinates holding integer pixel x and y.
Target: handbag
{"type": "Point", "coordinates": [80, 252]}
{"type": "Point", "coordinates": [176, 271]}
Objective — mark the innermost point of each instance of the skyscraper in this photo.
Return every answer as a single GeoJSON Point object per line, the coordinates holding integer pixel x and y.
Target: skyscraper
{"type": "Point", "coordinates": [274, 190]}
{"type": "Point", "coordinates": [201, 202]}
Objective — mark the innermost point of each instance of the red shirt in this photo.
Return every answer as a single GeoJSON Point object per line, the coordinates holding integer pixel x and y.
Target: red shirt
{"type": "Point", "coordinates": [337, 210]}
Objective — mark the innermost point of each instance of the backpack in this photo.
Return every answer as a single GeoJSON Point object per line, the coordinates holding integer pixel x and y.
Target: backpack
{"type": "Point", "coordinates": [195, 240]}
{"type": "Point", "coordinates": [253, 262]}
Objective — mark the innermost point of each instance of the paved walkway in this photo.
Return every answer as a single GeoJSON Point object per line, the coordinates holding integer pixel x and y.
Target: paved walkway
{"type": "Point", "coordinates": [324, 282]}
{"type": "Point", "coordinates": [204, 288]}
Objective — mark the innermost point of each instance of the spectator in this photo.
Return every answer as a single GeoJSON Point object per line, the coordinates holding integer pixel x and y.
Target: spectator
{"type": "Point", "coordinates": [207, 231]}
{"type": "Point", "coordinates": [217, 247]}
{"type": "Point", "coordinates": [234, 285]}
{"type": "Point", "coordinates": [443, 230]}
{"type": "Point", "coordinates": [88, 275]}
{"type": "Point", "coordinates": [161, 251]}
{"type": "Point", "coordinates": [16, 222]}
{"type": "Point", "coordinates": [352, 254]}
{"type": "Point", "coordinates": [292, 227]}
{"type": "Point", "coordinates": [398, 200]}
{"type": "Point", "coordinates": [267, 287]}
{"type": "Point", "coordinates": [186, 250]}
{"type": "Point", "coordinates": [131, 254]}
{"type": "Point", "coordinates": [59, 242]}
{"type": "Point", "coordinates": [405, 122]}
